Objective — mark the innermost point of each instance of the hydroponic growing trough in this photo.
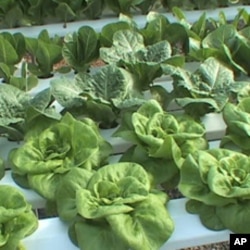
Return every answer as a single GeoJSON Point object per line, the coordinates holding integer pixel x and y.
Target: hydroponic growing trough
{"type": "Point", "coordinates": [52, 233]}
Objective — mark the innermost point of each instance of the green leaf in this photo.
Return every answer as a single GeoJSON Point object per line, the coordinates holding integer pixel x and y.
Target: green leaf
{"type": "Point", "coordinates": [8, 54]}
{"type": "Point", "coordinates": [107, 32]}
{"type": "Point", "coordinates": [93, 236]}
{"type": "Point", "coordinates": [211, 86]}
{"type": "Point", "coordinates": [13, 104]}
{"type": "Point", "coordinates": [124, 42]}
{"type": "Point", "coordinates": [108, 84]}
{"type": "Point", "coordinates": [64, 12]}
{"type": "Point", "coordinates": [235, 217]}
{"type": "Point", "coordinates": [75, 179]}
{"type": "Point", "coordinates": [155, 29]}
{"type": "Point", "coordinates": [138, 229]}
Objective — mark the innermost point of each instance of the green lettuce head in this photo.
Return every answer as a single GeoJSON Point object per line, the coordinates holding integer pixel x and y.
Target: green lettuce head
{"type": "Point", "coordinates": [17, 219]}
{"type": "Point", "coordinates": [43, 160]}
{"type": "Point", "coordinates": [114, 207]}
{"type": "Point", "coordinates": [161, 140]}
{"type": "Point", "coordinates": [218, 183]}
{"type": "Point", "coordinates": [237, 119]}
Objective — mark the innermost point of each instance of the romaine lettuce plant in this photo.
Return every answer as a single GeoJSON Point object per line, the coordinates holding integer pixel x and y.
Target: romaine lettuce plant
{"type": "Point", "coordinates": [17, 220]}
{"type": "Point", "coordinates": [207, 89]}
{"type": "Point", "coordinates": [116, 206]}
{"type": "Point", "coordinates": [38, 10]}
{"type": "Point", "coordinates": [161, 141]}
{"type": "Point", "coordinates": [217, 183]}
{"type": "Point", "coordinates": [45, 53]}
{"type": "Point", "coordinates": [12, 50]}
{"type": "Point", "coordinates": [42, 161]}
{"type": "Point", "coordinates": [81, 48]}
{"type": "Point", "coordinates": [11, 14]}
{"type": "Point", "coordinates": [237, 119]}
{"type": "Point", "coordinates": [144, 62]}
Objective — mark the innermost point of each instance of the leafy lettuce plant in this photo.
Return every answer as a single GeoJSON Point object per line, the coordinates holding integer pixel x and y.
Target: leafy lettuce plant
{"type": "Point", "coordinates": [13, 105]}
{"type": "Point", "coordinates": [38, 10]}
{"type": "Point", "coordinates": [17, 220]}
{"type": "Point", "coordinates": [100, 96]}
{"type": "Point", "coordinates": [45, 53]}
{"type": "Point", "coordinates": [12, 50]}
{"type": "Point", "coordinates": [237, 119]}
{"type": "Point", "coordinates": [161, 141]}
{"type": "Point", "coordinates": [217, 183]}
{"type": "Point", "coordinates": [81, 48]}
{"type": "Point", "coordinates": [21, 114]}
{"type": "Point", "coordinates": [228, 45]}
{"type": "Point", "coordinates": [11, 14]}
{"type": "Point", "coordinates": [206, 90]}
{"type": "Point", "coordinates": [115, 206]}
{"type": "Point", "coordinates": [42, 161]}
{"type": "Point", "coordinates": [144, 62]}
{"type": "Point", "coordinates": [159, 28]}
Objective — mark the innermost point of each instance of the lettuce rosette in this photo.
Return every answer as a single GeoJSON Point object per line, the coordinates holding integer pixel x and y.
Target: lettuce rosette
{"type": "Point", "coordinates": [115, 206]}
{"type": "Point", "coordinates": [217, 182]}
{"type": "Point", "coordinates": [237, 119]}
{"type": "Point", "coordinates": [161, 141]}
{"type": "Point", "coordinates": [42, 161]}
{"type": "Point", "coordinates": [17, 219]}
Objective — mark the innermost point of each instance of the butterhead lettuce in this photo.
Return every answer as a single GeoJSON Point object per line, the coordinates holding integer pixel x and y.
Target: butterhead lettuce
{"type": "Point", "coordinates": [115, 207]}
{"type": "Point", "coordinates": [217, 182]}
{"type": "Point", "coordinates": [161, 140]}
{"type": "Point", "coordinates": [44, 160]}
{"type": "Point", "coordinates": [17, 219]}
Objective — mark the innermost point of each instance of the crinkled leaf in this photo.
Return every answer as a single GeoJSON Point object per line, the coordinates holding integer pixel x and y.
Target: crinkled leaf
{"type": "Point", "coordinates": [76, 178]}
{"type": "Point", "coordinates": [107, 84]}
{"type": "Point", "coordinates": [67, 92]}
{"type": "Point", "coordinates": [193, 179]}
{"type": "Point", "coordinates": [138, 229]}
{"type": "Point", "coordinates": [107, 33]}
{"type": "Point", "coordinates": [124, 42]}
{"type": "Point", "coordinates": [211, 84]}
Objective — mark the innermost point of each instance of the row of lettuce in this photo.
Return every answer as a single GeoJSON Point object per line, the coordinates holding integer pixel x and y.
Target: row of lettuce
{"type": "Point", "coordinates": [141, 51]}
{"type": "Point", "coordinates": [108, 93]}
{"type": "Point", "coordinates": [110, 204]}
{"type": "Point", "coordinates": [37, 12]}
